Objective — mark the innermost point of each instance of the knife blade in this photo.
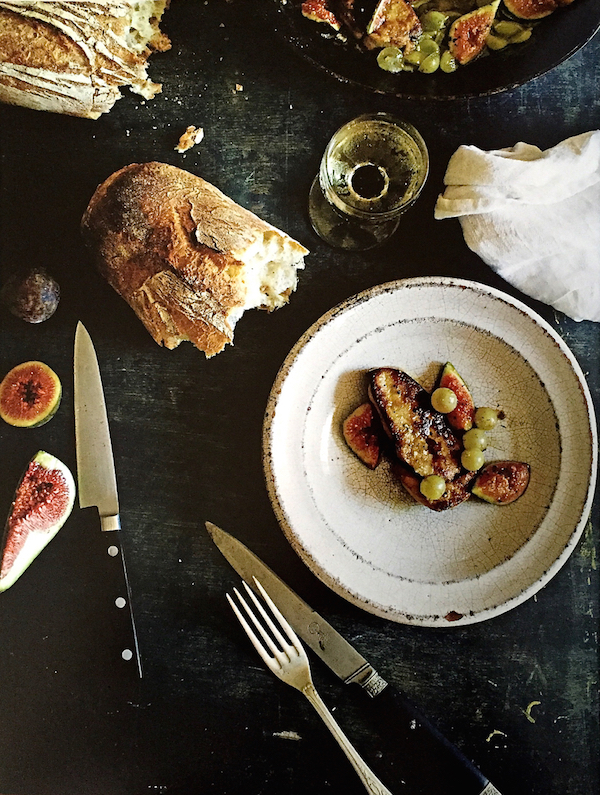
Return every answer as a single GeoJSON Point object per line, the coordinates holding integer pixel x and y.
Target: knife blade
{"type": "Point", "coordinates": [424, 761]}
{"type": "Point", "coordinates": [97, 483]}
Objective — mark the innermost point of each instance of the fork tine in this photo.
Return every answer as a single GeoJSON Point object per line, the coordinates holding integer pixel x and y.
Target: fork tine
{"type": "Point", "coordinates": [293, 638]}
{"type": "Point", "coordinates": [266, 617]}
{"type": "Point", "coordinates": [250, 632]}
{"type": "Point", "coordinates": [265, 636]}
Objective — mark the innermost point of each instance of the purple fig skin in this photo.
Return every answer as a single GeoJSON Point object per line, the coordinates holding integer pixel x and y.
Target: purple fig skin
{"type": "Point", "coordinates": [32, 297]}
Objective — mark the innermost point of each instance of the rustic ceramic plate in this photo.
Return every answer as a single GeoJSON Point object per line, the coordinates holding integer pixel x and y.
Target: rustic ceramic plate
{"type": "Point", "coordinates": [356, 529]}
{"type": "Point", "coordinates": [555, 39]}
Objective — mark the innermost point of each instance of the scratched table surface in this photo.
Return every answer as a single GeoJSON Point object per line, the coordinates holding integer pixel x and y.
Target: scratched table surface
{"type": "Point", "coordinates": [518, 693]}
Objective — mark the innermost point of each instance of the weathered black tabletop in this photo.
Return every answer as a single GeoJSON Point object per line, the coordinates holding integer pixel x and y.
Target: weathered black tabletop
{"type": "Point", "coordinates": [207, 717]}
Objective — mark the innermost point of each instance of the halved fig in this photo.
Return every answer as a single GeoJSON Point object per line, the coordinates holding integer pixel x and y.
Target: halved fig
{"type": "Point", "coordinates": [532, 9]}
{"type": "Point", "coordinates": [461, 418]}
{"type": "Point", "coordinates": [362, 434]}
{"type": "Point", "coordinates": [320, 11]}
{"type": "Point", "coordinates": [422, 438]}
{"type": "Point", "coordinates": [42, 503]}
{"type": "Point", "coordinates": [469, 32]}
{"type": "Point", "coordinates": [502, 482]}
{"type": "Point", "coordinates": [29, 395]}
{"type": "Point", "coordinates": [456, 490]}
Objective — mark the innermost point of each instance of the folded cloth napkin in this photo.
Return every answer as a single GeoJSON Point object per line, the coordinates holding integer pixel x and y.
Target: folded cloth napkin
{"type": "Point", "coordinates": [534, 217]}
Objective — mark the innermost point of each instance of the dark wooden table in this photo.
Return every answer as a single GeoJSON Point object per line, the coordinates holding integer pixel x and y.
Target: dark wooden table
{"type": "Point", "coordinates": [187, 440]}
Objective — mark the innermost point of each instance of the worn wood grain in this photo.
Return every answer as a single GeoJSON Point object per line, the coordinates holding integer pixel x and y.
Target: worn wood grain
{"type": "Point", "coordinates": [187, 443]}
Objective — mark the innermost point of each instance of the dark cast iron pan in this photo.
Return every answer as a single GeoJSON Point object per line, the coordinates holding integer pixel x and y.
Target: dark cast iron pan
{"type": "Point", "coordinates": [554, 39]}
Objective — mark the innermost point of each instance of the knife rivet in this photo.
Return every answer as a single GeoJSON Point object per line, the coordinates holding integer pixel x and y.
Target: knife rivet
{"type": "Point", "coordinates": [127, 654]}
{"type": "Point", "coordinates": [120, 602]}
{"type": "Point", "coordinates": [113, 551]}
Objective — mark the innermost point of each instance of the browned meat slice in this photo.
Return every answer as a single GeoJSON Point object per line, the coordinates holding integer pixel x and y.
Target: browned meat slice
{"type": "Point", "coordinates": [456, 490]}
{"type": "Point", "coordinates": [422, 438]}
{"type": "Point", "coordinates": [394, 24]}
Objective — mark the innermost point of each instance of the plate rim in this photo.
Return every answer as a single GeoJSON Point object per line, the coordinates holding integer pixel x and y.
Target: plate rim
{"type": "Point", "coordinates": [313, 565]}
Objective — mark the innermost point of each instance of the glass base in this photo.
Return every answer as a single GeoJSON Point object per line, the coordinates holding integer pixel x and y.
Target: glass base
{"type": "Point", "coordinates": [341, 231]}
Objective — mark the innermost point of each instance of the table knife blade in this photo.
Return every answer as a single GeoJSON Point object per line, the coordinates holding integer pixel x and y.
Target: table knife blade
{"type": "Point", "coordinates": [97, 482]}
{"type": "Point", "coordinates": [424, 761]}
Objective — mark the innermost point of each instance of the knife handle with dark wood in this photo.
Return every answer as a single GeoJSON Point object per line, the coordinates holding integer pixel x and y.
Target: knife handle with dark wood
{"type": "Point", "coordinates": [412, 752]}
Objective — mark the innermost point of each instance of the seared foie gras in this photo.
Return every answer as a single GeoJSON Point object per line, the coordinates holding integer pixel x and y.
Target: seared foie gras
{"type": "Point", "coordinates": [457, 490]}
{"type": "Point", "coordinates": [422, 438]}
{"type": "Point", "coordinates": [394, 24]}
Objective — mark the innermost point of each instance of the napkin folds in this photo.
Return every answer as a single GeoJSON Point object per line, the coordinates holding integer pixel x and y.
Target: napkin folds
{"type": "Point", "coordinates": [534, 217]}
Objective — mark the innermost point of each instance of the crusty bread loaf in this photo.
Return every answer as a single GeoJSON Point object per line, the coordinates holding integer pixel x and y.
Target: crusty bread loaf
{"type": "Point", "coordinates": [72, 58]}
{"type": "Point", "coordinates": [188, 259]}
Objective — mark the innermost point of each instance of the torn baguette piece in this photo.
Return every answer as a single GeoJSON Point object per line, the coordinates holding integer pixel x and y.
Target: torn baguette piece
{"type": "Point", "coordinates": [72, 58]}
{"type": "Point", "coordinates": [187, 258]}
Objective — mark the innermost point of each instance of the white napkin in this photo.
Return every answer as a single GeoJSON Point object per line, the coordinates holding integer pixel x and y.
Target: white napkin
{"type": "Point", "coordinates": [534, 217]}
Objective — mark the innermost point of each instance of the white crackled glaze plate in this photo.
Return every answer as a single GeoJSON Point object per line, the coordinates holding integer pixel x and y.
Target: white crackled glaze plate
{"type": "Point", "coordinates": [356, 529]}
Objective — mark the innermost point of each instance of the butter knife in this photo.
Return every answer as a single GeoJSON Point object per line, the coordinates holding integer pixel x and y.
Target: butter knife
{"type": "Point", "coordinates": [98, 487]}
{"type": "Point", "coordinates": [423, 760]}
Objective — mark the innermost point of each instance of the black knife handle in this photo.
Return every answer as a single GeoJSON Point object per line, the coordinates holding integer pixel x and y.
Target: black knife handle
{"type": "Point", "coordinates": [415, 754]}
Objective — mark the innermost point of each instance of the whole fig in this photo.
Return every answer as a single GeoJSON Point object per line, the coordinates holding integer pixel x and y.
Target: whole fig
{"type": "Point", "coordinates": [32, 296]}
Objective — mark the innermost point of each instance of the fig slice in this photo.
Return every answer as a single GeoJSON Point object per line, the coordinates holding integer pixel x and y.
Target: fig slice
{"type": "Point", "coordinates": [468, 33]}
{"type": "Point", "coordinates": [461, 418]}
{"type": "Point", "coordinates": [502, 482]}
{"type": "Point", "coordinates": [532, 9]}
{"type": "Point", "coordinates": [29, 395]}
{"type": "Point", "coordinates": [361, 431]}
{"type": "Point", "coordinates": [42, 503]}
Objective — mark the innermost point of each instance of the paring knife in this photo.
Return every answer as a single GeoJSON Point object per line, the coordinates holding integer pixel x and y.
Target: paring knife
{"type": "Point", "coordinates": [98, 484]}
{"type": "Point", "coordinates": [424, 761]}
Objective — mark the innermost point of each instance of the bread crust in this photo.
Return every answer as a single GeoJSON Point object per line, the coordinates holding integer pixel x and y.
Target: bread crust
{"type": "Point", "coordinates": [72, 58]}
{"type": "Point", "coordinates": [173, 246]}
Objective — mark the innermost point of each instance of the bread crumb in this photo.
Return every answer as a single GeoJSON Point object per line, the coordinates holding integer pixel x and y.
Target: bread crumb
{"type": "Point", "coordinates": [239, 87]}
{"type": "Point", "coordinates": [191, 137]}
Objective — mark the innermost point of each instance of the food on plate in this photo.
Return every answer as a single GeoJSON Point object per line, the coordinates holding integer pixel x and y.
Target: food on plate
{"type": "Point", "coordinates": [534, 9]}
{"type": "Point", "coordinates": [502, 482]}
{"type": "Point", "coordinates": [29, 395]}
{"type": "Point", "coordinates": [427, 35]}
{"type": "Point", "coordinates": [32, 296]}
{"type": "Point", "coordinates": [42, 503]}
{"type": "Point", "coordinates": [393, 24]}
{"type": "Point", "coordinates": [468, 34]}
{"type": "Point", "coordinates": [362, 433]}
{"type": "Point", "coordinates": [73, 58]}
{"type": "Point", "coordinates": [422, 438]}
{"type": "Point", "coordinates": [187, 258]}
{"type": "Point", "coordinates": [438, 464]}
{"type": "Point", "coordinates": [455, 492]}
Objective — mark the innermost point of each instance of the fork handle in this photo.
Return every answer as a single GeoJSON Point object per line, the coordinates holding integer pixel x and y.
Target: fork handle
{"type": "Point", "coordinates": [366, 775]}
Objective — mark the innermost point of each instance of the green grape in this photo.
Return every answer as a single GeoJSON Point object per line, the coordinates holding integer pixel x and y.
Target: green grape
{"type": "Point", "coordinates": [486, 418]}
{"type": "Point", "coordinates": [428, 46]}
{"type": "Point", "coordinates": [434, 20]}
{"type": "Point", "coordinates": [495, 42]}
{"type": "Point", "coordinates": [444, 400]}
{"type": "Point", "coordinates": [390, 59]}
{"type": "Point", "coordinates": [430, 64]}
{"type": "Point", "coordinates": [519, 38]}
{"type": "Point", "coordinates": [448, 62]}
{"type": "Point", "coordinates": [414, 58]}
{"type": "Point", "coordinates": [432, 487]}
{"type": "Point", "coordinates": [475, 439]}
{"type": "Point", "coordinates": [507, 29]}
{"type": "Point", "coordinates": [472, 459]}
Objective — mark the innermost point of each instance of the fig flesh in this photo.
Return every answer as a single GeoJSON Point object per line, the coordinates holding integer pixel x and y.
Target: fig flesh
{"type": "Point", "coordinates": [533, 9]}
{"type": "Point", "coordinates": [460, 418]}
{"type": "Point", "coordinates": [502, 482]}
{"type": "Point", "coordinates": [361, 431]}
{"type": "Point", "coordinates": [29, 395]}
{"type": "Point", "coordinates": [469, 32]}
{"type": "Point", "coordinates": [42, 503]}
{"type": "Point", "coordinates": [33, 297]}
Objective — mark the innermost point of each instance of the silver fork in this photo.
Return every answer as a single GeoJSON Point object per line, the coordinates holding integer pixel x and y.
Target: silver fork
{"type": "Point", "coordinates": [290, 663]}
